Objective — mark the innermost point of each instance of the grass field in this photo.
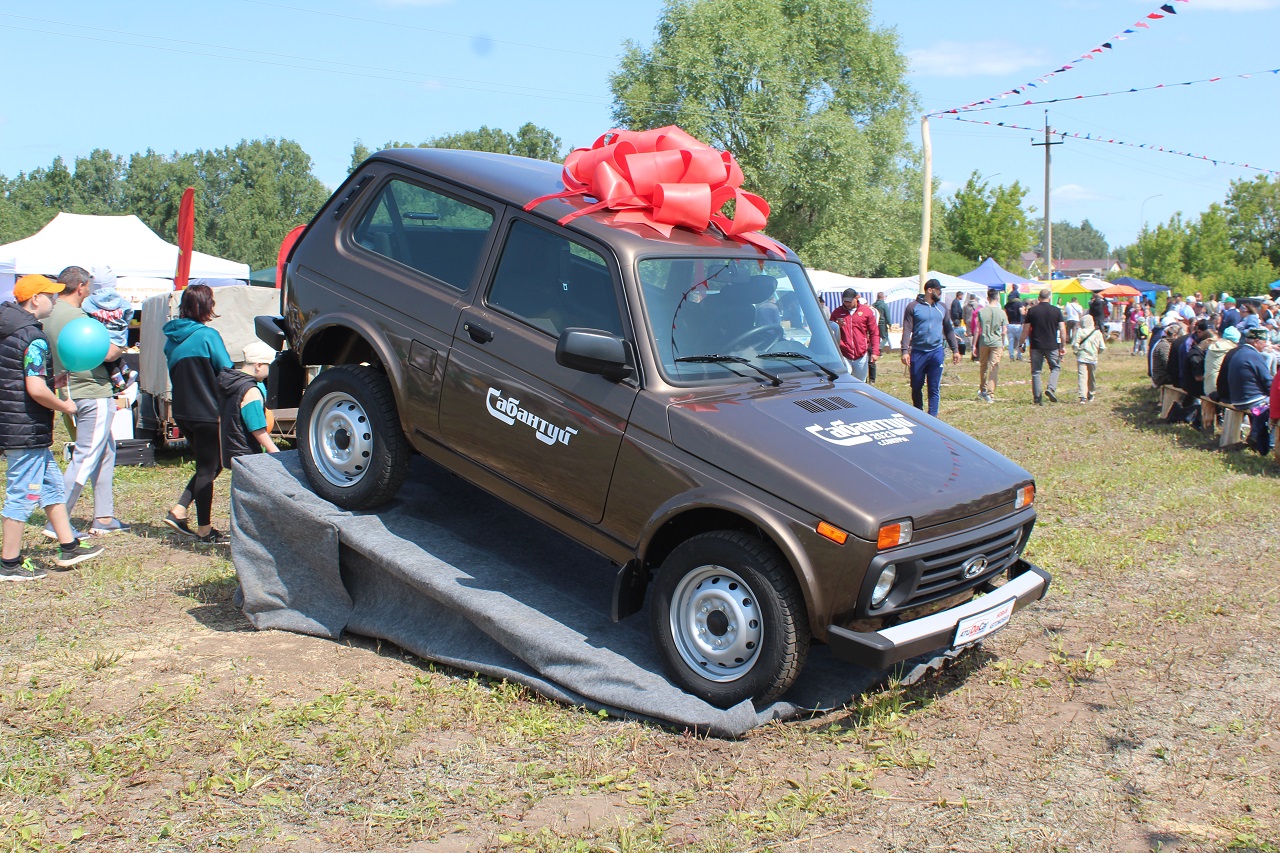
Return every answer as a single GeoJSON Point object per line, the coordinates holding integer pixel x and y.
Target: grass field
{"type": "Point", "coordinates": [1136, 708]}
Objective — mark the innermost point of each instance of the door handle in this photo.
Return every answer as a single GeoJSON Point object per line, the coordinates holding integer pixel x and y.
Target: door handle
{"type": "Point", "coordinates": [478, 333]}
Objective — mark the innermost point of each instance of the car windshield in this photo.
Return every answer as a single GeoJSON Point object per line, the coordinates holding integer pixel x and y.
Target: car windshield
{"type": "Point", "coordinates": [717, 319]}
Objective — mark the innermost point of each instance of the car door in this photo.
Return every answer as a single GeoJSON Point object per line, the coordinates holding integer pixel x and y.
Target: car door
{"type": "Point", "coordinates": [411, 255]}
{"type": "Point", "coordinates": [507, 404]}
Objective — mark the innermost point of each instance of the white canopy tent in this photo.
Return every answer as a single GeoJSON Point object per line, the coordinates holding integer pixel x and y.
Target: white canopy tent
{"type": "Point", "coordinates": [143, 262]}
{"type": "Point", "coordinates": [897, 291]}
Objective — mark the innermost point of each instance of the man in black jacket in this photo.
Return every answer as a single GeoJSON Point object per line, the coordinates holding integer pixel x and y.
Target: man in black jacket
{"type": "Point", "coordinates": [27, 404]}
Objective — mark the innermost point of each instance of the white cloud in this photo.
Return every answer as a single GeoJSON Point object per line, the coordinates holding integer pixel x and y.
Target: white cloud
{"type": "Point", "coordinates": [972, 59]}
{"type": "Point", "coordinates": [1237, 5]}
{"type": "Point", "coordinates": [1076, 192]}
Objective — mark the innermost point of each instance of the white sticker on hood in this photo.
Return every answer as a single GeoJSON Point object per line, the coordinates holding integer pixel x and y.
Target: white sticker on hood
{"type": "Point", "coordinates": [507, 410]}
{"type": "Point", "coordinates": [882, 431]}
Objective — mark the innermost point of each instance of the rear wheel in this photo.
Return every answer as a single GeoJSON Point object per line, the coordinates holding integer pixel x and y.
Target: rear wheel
{"type": "Point", "coordinates": [728, 619]}
{"type": "Point", "coordinates": [353, 451]}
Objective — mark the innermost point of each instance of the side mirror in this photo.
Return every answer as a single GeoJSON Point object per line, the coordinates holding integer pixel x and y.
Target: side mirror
{"type": "Point", "coordinates": [594, 351]}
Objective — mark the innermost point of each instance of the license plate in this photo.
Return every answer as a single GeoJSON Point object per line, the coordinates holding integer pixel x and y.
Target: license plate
{"type": "Point", "coordinates": [979, 625]}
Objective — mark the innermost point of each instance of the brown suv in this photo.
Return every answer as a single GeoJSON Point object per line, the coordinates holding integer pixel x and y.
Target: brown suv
{"type": "Point", "coordinates": [678, 405]}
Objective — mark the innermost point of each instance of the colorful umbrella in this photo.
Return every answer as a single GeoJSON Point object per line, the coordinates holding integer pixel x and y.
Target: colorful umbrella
{"type": "Point", "coordinates": [1119, 290]}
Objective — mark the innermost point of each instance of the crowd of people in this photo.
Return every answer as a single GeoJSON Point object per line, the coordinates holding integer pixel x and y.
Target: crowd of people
{"type": "Point", "coordinates": [218, 404]}
{"type": "Point", "coordinates": [1222, 351]}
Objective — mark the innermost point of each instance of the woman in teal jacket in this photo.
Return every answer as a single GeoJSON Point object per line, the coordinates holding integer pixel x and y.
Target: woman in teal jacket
{"type": "Point", "coordinates": [196, 355]}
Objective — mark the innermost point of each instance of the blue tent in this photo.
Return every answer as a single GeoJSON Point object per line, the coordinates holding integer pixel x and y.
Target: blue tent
{"type": "Point", "coordinates": [1140, 285]}
{"type": "Point", "coordinates": [994, 276]}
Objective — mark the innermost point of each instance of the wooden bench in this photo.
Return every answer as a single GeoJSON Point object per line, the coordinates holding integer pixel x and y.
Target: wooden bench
{"type": "Point", "coordinates": [1232, 425]}
{"type": "Point", "coordinates": [1168, 396]}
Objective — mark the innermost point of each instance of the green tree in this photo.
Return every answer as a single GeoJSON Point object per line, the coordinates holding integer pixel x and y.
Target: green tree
{"type": "Point", "coordinates": [253, 195]}
{"type": "Point", "coordinates": [1078, 241]}
{"type": "Point", "coordinates": [359, 153]}
{"type": "Point", "coordinates": [812, 100]}
{"type": "Point", "coordinates": [1208, 247]}
{"type": "Point", "coordinates": [529, 141]}
{"type": "Point", "coordinates": [986, 222]}
{"type": "Point", "coordinates": [1253, 217]}
{"type": "Point", "coordinates": [1158, 253]}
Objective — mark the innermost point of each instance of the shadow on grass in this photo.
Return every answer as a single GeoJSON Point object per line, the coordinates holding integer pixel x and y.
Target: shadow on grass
{"type": "Point", "coordinates": [918, 695]}
{"type": "Point", "coordinates": [217, 609]}
{"type": "Point", "coordinates": [1141, 409]}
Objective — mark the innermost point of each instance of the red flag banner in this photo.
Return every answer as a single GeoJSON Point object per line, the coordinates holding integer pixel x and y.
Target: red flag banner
{"type": "Point", "coordinates": [286, 246]}
{"type": "Point", "coordinates": [186, 237]}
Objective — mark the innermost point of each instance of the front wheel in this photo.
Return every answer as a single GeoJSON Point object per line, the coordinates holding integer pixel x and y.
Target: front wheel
{"type": "Point", "coordinates": [349, 438]}
{"type": "Point", "coordinates": [728, 619]}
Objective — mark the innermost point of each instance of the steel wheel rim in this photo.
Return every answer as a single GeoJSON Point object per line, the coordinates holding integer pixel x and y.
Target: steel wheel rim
{"type": "Point", "coordinates": [716, 623]}
{"type": "Point", "coordinates": [341, 439]}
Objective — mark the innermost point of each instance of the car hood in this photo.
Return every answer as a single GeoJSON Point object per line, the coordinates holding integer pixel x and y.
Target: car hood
{"type": "Point", "coordinates": [846, 453]}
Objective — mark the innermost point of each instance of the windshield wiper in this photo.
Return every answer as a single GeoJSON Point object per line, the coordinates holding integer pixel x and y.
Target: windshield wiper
{"type": "Point", "coordinates": [831, 374]}
{"type": "Point", "coordinates": [734, 359]}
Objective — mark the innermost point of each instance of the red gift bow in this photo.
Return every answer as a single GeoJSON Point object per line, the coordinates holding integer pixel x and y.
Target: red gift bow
{"type": "Point", "coordinates": [663, 178]}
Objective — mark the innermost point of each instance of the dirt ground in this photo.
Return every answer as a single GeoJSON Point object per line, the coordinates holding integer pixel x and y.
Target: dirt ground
{"type": "Point", "coordinates": [1134, 709]}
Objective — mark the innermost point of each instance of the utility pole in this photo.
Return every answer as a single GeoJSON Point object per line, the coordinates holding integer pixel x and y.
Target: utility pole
{"type": "Point", "coordinates": [1048, 223]}
{"type": "Point", "coordinates": [928, 202]}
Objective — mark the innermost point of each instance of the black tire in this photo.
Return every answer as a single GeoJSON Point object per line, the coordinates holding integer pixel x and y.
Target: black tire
{"type": "Point", "coordinates": [732, 588]}
{"type": "Point", "coordinates": [353, 450]}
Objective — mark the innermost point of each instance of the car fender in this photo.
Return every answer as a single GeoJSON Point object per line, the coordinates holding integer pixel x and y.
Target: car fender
{"type": "Point", "coordinates": [391, 363]}
{"type": "Point", "coordinates": [777, 526]}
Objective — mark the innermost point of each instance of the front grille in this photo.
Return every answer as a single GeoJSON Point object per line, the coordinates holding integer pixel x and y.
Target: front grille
{"type": "Point", "coordinates": [941, 574]}
{"type": "Point", "coordinates": [818, 405]}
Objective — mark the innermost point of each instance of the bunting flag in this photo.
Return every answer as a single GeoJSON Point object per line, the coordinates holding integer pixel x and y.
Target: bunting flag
{"type": "Point", "coordinates": [1164, 11]}
{"type": "Point", "coordinates": [186, 237]}
{"type": "Point", "coordinates": [1090, 137]}
{"type": "Point", "coordinates": [1130, 91]}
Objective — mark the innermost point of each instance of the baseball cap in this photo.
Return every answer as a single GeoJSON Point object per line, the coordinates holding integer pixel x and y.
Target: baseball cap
{"type": "Point", "coordinates": [259, 353]}
{"type": "Point", "coordinates": [1256, 333]}
{"type": "Point", "coordinates": [29, 285]}
{"type": "Point", "coordinates": [1230, 299]}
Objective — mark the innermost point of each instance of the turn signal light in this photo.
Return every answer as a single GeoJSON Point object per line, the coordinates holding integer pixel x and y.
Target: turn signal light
{"type": "Point", "coordinates": [893, 535]}
{"type": "Point", "coordinates": [1025, 496]}
{"type": "Point", "coordinates": [835, 534]}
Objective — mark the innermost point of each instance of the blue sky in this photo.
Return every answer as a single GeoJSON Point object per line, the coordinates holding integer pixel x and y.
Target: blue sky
{"type": "Point", "coordinates": [141, 74]}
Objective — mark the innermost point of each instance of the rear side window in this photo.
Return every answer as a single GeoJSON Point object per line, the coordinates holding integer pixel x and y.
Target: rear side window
{"type": "Point", "coordinates": [433, 233]}
{"type": "Point", "coordinates": [553, 283]}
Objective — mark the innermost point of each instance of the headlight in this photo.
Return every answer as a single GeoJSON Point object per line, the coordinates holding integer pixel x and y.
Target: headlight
{"type": "Point", "coordinates": [894, 534]}
{"type": "Point", "coordinates": [884, 584]}
{"type": "Point", "coordinates": [1025, 496]}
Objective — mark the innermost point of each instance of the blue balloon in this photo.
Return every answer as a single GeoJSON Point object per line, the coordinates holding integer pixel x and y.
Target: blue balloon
{"type": "Point", "coordinates": [83, 344]}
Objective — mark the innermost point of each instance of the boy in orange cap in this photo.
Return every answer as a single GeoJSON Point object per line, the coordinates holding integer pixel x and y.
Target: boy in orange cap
{"type": "Point", "coordinates": [27, 404]}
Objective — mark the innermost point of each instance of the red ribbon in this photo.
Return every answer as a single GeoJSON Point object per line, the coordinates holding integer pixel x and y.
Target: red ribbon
{"type": "Point", "coordinates": [664, 178]}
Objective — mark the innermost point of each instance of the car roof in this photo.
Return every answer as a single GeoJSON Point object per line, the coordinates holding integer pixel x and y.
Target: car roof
{"type": "Point", "coordinates": [518, 180]}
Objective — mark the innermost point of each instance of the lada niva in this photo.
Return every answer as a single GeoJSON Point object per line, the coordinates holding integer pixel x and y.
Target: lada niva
{"type": "Point", "coordinates": [676, 404]}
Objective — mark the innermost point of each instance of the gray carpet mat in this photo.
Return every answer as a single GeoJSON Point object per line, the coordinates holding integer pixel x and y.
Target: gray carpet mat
{"type": "Point", "coordinates": [454, 575]}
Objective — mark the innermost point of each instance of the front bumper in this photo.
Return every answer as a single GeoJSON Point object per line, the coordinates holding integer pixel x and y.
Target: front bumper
{"type": "Point", "coordinates": [882, 649]}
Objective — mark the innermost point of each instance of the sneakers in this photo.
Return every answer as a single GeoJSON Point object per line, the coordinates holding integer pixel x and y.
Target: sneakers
{"type": "Point", "coordinates": [213, 537]}
{"type": "Point", "coordinates": [81, 552]}
{"type": "Point", "coordinates": [26, 571]}
{"type": "Point", "coordinates": [179, 525]}
{"type": "Point", "coordinates": [115, 525]}
{"type": "Point", "coordinates": [53, 534]}
{"type": "Point", "coordinates": [985, 397]}
{"type": "Point", "coordinates": [1053, 397]}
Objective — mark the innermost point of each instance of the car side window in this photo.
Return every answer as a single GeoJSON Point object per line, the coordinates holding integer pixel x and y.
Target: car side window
{"type": "Point", "coordinates": [553, 283]}
{"type": "Point", "coordinates": [433, 233]}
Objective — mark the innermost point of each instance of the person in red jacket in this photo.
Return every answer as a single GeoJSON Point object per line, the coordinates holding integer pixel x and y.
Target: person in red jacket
{"type": "Point", "coordinates": [859, 333]}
